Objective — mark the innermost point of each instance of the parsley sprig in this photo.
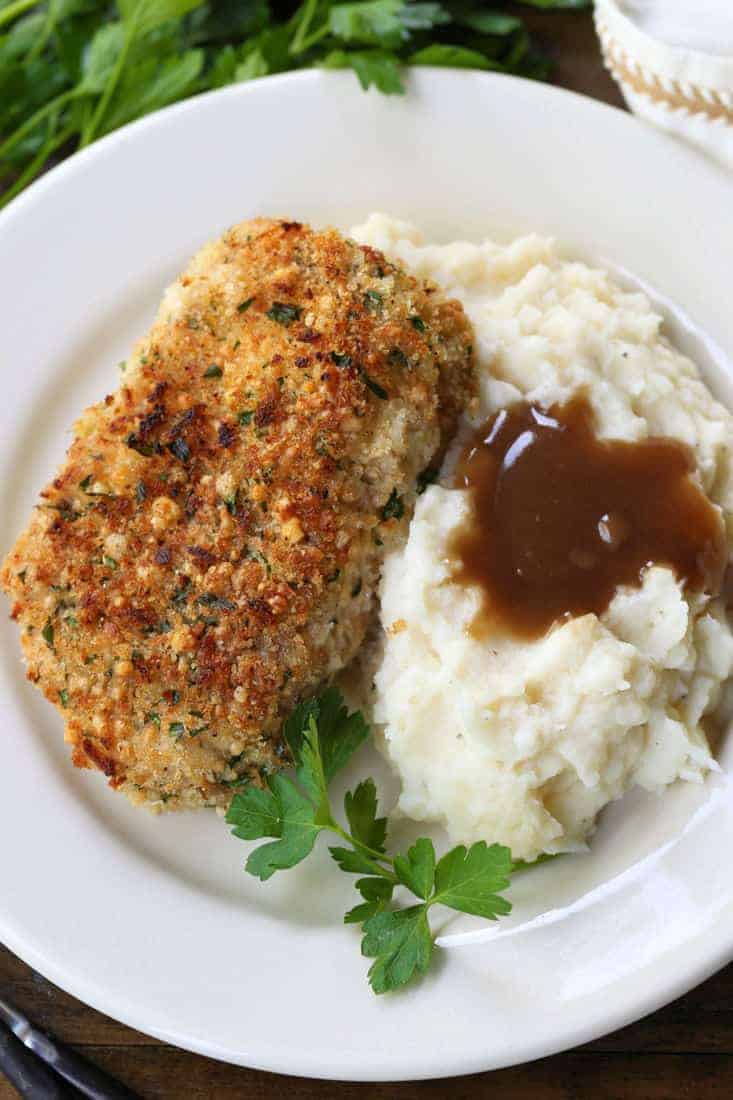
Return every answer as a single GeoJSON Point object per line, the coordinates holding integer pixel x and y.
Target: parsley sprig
{"type": "Point", "coordinates": [73, 70]}
{"type": "Point", "coordinates": [294, 810]}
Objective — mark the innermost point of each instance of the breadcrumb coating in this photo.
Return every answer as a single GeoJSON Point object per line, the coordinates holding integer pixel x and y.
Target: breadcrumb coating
{"type": "Point", "coordinates": [208, 554]}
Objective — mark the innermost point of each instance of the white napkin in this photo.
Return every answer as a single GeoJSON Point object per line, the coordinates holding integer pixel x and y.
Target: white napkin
{"type": "Point", "coordinates": [673, 60]}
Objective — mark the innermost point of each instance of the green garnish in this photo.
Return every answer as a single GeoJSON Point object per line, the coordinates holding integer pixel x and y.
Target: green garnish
{"type": "Point", "coordinates": [245, 417]}
{"type": "Point", "coordinates": [373, 301]}
{"type": "Point", "coordinates": [180, 449]}
{"type": "Point", "coordinates": [47, 634]}
{"type": "Point", "coordinates": [417, 323]}
{"type": "Point", "coordinates": [244, 306]}
{"type": "Point", "coordinates": [370, 384]}
{"type": "Point", "coordinates": [181, 594]}
{"type": "Point", "coordinates": [284, 313]}
{"type": "Point", "coordinates": [74, 70]}
{"type": "Point", "coordinates": [147, 450]}
{"type": "Point", "coordinates": [341, 360]}
{"type": "Point", "coordinates": [176, 730]}
{"type": "Point", "coordinates": [213, 371]}
{"type": "Point", "coordinates": [84, 485]}
{"type": "Point", "coordinates": [153, 717]}
{"type": "Point", "coordinates": [394, 508]}
{"type": "Point", "coordinates": [64, 697]}
{"type": "Point", "coordinates": [220, 603]}
{"type": "Point", "coordinates": [294, 810]}
{"type": "Point", "coordinates": [109, 562]}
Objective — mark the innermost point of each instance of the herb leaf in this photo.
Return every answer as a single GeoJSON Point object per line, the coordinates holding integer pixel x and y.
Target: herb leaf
{"type": "Point", "coordinates": [255, 814]}
{"type": "Point", "coordinates": [416, 870]}
{"type": "Point", "coordinates": [73, 70]}
{"type": "Point", "coordinates": [376, 893]}
{"type": "Point", "coordinates": [470, 880]}
{"type": "Point", "coordinates": [284, 313]}
{"type": "Point", "coordinates": [296, 818]}
{"type": "Point", "coordinates": [401, 945]}
{"type": "Point", "coordinates": [321, 736]}
{"type": "Point", "coordinates": [341, 733]}
{"type": "Point", "coordinates": [451, 57]}
{"type": "Point", "coordinates": [372, 385]}
{"type": "Point", "coordinates": [352, 861]}
{"type": "Point", "coordinates": [361, 813]}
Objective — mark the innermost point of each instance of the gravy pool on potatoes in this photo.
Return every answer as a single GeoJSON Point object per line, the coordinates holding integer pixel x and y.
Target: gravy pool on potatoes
{"type": "Point", "coordinates": [560, 519]}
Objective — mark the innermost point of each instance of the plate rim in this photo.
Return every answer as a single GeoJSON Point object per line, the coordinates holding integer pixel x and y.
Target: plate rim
{"type": "Point", "coordinates": [85, 989]}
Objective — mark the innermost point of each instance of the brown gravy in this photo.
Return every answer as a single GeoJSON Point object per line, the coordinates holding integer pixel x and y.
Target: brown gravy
{"type": "Point", "coordinates": [561, 518]}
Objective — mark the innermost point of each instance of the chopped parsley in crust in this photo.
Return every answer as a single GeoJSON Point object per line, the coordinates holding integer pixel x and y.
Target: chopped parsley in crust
{"type": "Point", "coordinates": [208, 554]}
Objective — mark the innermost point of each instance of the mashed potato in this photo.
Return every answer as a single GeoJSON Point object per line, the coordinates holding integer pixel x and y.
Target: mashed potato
{"type": "Point", "coordinates": [524, 742]}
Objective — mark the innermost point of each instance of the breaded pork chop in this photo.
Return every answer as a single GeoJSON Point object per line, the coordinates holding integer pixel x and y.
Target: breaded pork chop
{"type": "Point", "coordinates": [208, 554]}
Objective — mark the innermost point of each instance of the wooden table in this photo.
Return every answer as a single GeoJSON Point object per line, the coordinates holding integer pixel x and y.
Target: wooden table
{"type": "Point", "coordinates": [684, 1051]}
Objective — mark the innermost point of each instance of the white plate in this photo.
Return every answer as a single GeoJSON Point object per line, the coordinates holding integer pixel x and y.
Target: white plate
{"type": "Point", "coordinates": [153, 920]}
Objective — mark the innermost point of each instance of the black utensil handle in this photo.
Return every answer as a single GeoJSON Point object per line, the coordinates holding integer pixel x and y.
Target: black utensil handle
{"type": "Point", "coordinates": [91, 1081]}
{"type": "Point", "coordinates": [27, 1073]}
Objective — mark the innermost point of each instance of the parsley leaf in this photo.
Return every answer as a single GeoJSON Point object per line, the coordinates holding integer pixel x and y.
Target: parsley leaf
{"type": "Point", "coordinates": [221, 603]}
{"type": "Point", "coordinates": [376, 893]}
{"type": "Point", "coordinates": [292, 810]}
{"type": "Point", "coordinates": [470, 880]}
{"type": "Point", "coordinates": [255, 815]}
{"type": "Point", "coordinates": [450, 57]}
{"type": "Point", "coordinates": [297, 825]}
{"type": "Point", "coordinates": [373, 385]}
{"type": "Point", "coordinates": [383, 22]}
{"type": "Point", "coordinates": [416, 870]}
{"type": "Point", "coordinates": [338, 733]}
{"type": "Point", "coordinates": [352, 861]}
{"type": "Point", "coordinates": [341, 733]}
{"type": "Point", "coordinates": [284, 313]}
{"type": "Point", "coordinates": [73, 70]}
{"type": "Point", "coordinates": [401, 944]}
{"type": "Point", "coordinates": [361, 813]}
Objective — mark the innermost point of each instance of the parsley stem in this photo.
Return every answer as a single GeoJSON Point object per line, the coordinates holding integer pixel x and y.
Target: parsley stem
{"type": "Point", "coordinates": [31, 123]}
{"type": "Point", "coordinates": [309, 10]}
{"type": "Point", "coordinates": [114, 78]}
{"type": "Point", "coordinates": [311, 39]}
{"type": "Point", "coordinates": [49, 146]}
{"type": "Point", "coordinates": [369, 853]}
{"type": "Point", "coordinates": [46, 30]}
{"type": "Point", "coordinates": [14, 10]}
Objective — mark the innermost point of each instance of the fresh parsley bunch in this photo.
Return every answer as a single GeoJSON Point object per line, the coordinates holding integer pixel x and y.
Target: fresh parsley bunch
{"type": "Point", "coordinates": [322, 737]}
{"type": "Point", "coordinates": [72, 70]}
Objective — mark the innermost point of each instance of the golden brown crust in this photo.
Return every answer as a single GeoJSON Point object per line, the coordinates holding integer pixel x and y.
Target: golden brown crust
{"type": "Point", "coordinates": [209, 551]}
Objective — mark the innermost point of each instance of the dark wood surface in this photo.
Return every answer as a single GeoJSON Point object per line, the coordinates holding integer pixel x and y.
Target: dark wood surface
{"type": "Point", "coordinates": [684, 1052]}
